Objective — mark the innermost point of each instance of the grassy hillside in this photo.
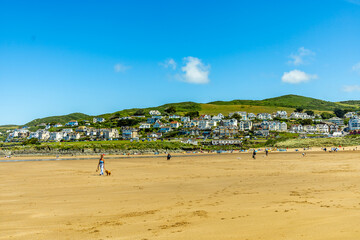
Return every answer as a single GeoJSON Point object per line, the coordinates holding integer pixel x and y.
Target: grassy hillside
{"type": "Point", "coordinates": [355, 103]}
{"type": "Point", "coordinates": [319, 142]}
{"type": "Point", "coordinates": [59, 119]}
{"type": "Point", "coordinates": [291, 101]}
{"type": "Point", "coordinates": [270, 105]}
{"type": "Point", "coordinates": [182, 107]}
{"type": "Point", "coordinates": [214, 109]}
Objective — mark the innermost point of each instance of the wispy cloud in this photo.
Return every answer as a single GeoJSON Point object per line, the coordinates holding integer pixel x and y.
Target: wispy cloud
{"type": "Point", "coordinates": [356, 67]}
{"type": "Point", "coordinates": [351, 88]}
{"type": "Point", "coordinates": [297, 76]}
{"type": "Point", "coordinates": [120, 67]}
{"type": "Point", "coordinates": [169, 63]}
{"type": "Point", "coordinates": [195, 71]}
{"type": "Point", "coordinates": [301, 57]}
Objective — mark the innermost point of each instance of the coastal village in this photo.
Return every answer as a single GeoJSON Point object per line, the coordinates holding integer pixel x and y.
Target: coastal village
{"type": "Point", "coordinates": [192, 128]}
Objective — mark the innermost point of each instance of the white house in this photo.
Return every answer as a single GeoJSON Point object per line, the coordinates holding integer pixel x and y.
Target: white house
{"type": "Point", "coordinates": [350, 115]}
{"type": "Point", "coordinates": [281, 114]}
{"type": "Point", "coordinates": [43, 135]}
{"type": "Point", "coordinates": [145, 125]}
{"type": "Point", "coordinates": [56, 136]}
{"type": "Point", "coordinates": [175, 124]}
{"type": "Point", "coordinates": [185, 119]}
{"type": "Point", "coordinates": [72, 136]}
{"type": "Point", "coordinates": [158, 124]}
{"type": "Point", "coordinates": [155, 112]}
{"type": "Point", "coordinates": [110, 133]}
{"type": "Point", "coordinates": [251, 116]}
{"type": "Point", "coordinates": [129, 133]}
{"type": "Point", "coordinates": [264, 116]}
{"type": "Point", "coordinates": [218, 117]}
{"type": "Point", "coordinates": [204, 124]}
{"type": "Point", "coordinates": [296, 128]}
{"type": "Point", "coordinates": [354, 124]}
{"type": "Point", "coordinates": [205, 117]}
{"type": "Point", "coordinates": [283, 127]}
{"type": "Point", "coordinates": [58, 125]}
{"type": "Point", "coordinates": [322, 128]}
{"type": "Point", "coordinates": [34, 135]}
{"type": "Point", "coordinates": [336, 120]}
{"type": "Point", "coordinates": [309, 129]}
{"type": "Point", "coordinates": [226, 142]}
{"type": "Point", "coordinates": [67, 130]}
{"type": "Point", "coordinates": [154, 135]}
{"type": "Point", "coordinates": [229, 122]}
{"type": "Point", "coordinates": [98, 120]}
{"type": "Point", "coordinates": [72, 123]}
{"type": "Point", "coordinates": [300, 115]}
{"type": "Point", "coordinates": [165, 129]}
{"type": "Point", "coordinates": [191, 124]}
{"type": "Point", "coordinates": [190, 141]}
{"type": "Point", "coordinates": [245, 125]}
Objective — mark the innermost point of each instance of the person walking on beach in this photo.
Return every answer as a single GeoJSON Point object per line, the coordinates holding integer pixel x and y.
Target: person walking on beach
{"type": "Point", "coordinates": [101, 165]}
{"type": "Point", "coordinates": [254, 154]}
{"type": "Point", "coordinates": [168, 156]}
{"type": "Point", "coordinates": [266, 152]}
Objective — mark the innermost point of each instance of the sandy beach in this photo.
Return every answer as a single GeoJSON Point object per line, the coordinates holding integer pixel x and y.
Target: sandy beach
{"type": "Point", "coordinates": [218, 196]}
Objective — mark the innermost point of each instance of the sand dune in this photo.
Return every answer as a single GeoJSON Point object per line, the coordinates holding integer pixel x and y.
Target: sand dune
{"type": "Point", "coordinates": [224, 196]}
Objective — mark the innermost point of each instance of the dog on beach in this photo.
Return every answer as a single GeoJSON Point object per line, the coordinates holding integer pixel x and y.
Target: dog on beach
{"type": "Point", "coordinates": [108, 172]}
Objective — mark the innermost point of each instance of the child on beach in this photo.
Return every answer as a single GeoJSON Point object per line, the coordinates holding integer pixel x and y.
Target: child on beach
{"type": "Point", "coordinates": [254, 154]}
{"type": "Point", "coordinates": [168, 156]}
{"type": "Point", "coordinates": [101, 165]}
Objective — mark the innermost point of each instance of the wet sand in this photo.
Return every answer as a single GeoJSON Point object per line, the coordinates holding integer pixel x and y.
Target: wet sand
{"type": "Point", "coordinates": [219, 196]}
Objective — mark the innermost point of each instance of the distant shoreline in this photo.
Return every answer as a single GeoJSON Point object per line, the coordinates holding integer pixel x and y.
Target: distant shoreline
{"type": "Point", "coordinates": [51, 157]}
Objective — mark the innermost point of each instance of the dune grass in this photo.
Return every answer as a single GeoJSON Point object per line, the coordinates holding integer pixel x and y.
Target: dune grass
{"type": "Point", "coordinates": [319, 142]}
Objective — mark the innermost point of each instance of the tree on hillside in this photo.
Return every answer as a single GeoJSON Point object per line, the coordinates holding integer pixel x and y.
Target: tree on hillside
{"type": "Point", "coordinates": [306, 122]}
{"type": "Point", "coordinates": [139, 112]}
{"type": "Point", "coordinates": [115, 116]}
{"type": "Point", "coordinates": [128, 122]}
{"type": "Point", "coordinates": [309, 112]}
{"type": "Point", "coordinates": [339, 112]}
{"type": "Point", "coordinates": [326, 115]}
{"type": "Point", "coordinates": [299, 109]}
{"type": "Point", "coordinates": [236, 116]}
{"type": "Point", "coordinates": [171, 110]}
{"type": "Point", "coordinates": [192, 114]}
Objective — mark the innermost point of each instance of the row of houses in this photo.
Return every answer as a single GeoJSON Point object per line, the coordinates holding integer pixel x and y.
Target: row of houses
{"type": "Point", "coordinates": [66, 134]}
{"type": "Point", "coordinates": [204, 125]}
{"type": "Point", "coordinates": [318, 128]}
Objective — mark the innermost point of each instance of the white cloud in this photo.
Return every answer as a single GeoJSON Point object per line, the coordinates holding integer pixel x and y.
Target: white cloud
{"type": "Point", "coordinates": [169, 63]}
{"type": "Point", "coordinates": [351, 88]}
{"type": "Point", "coordinates": [120, 67]}
{"type": "Point", "coordinates": [297, 76]}
{"type": "Point", "coordinates": [195, 71]}
{"type": "Point", "coordinates": [356, 67]}
{"type": "Point", "coordinates": [301, 56]}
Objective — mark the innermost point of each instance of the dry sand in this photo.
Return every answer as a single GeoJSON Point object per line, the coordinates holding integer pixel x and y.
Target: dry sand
{"type": "Point", "coordinates": [225, 196]}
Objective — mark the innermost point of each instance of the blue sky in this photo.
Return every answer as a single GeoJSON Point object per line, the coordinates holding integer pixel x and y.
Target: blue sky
{"type": "Point", "coordinates": [59, 57]}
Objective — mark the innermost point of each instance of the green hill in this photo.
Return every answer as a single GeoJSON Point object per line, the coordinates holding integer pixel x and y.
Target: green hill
{"type": "Point", "coordinates": [182, 107]}
{"type": "Point", "coordinates": [355, 103]}
{"type": "Point", "coordinates": [286, 102]}
{"type": "Point", "coordinates": [291, 101]}
{"type": "Point", "coordinates": [59, 119]}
